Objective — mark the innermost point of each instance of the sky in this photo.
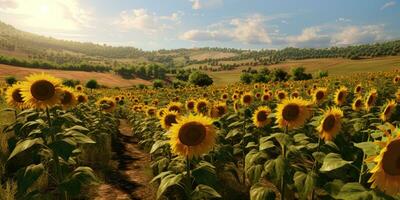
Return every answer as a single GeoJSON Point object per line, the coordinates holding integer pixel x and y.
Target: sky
{"type": "Point", "coordinates": [244, 24]}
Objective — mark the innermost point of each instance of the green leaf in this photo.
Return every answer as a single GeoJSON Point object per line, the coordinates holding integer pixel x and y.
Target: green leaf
{"type": "Point", "coordinates": [251, 145]}
{"type": "Point", "coordinates": [369, 148]}
{"type": "Point", "coordinates": [232, 133]}
{"type": "Point", "coordinates": [235, 124]}
{"type": "Point", "coordinates": [63, 148]}
{"type": "Point", "coordinates": [204, 192]}
{"type": "Point", "coordinates": [333, 161]}
{"type": "Point", "coordinates": [319, 156]}
{"type": "Point", "coordinates": [168, 181]}
{"type": "Point", "coordinates": [24, 145]}
{"type": "Point", "coordinates": [354, 191]}
{"type": "Point", "coordinates": [81, 138]}
{"type": "Point", "coordinates": [300, 137]}
{"type": "Point", "coordinates": [32, 173]}
{"type": "Point", "coordinates": [260, 192]}
{"type": "Point", "coordinates": [77, 128]}
{"type": "Point", "coordinates": [157, 145]}
{"type": "Point", "coordinates": [254, 173]}
{"type": "Point", "coordinates": [205, 174]}
{"type": "Point", "coordinates": [266, 145]}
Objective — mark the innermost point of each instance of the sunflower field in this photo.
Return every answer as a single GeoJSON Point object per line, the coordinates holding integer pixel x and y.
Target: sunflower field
{"type": "Point", "coordinates": [330, 138]}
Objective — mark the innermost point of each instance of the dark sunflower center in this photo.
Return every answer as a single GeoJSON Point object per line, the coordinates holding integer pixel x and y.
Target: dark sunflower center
{"type": "Point", "coordinates": [281, 95]}
{"type": "Point", "coordinates": [192, 133]}
{"type": "Point", "coordinates": [224, 96]}
{"type": "Point", "coordinates": [81, 98]}
{"type": "Point", "coordinates": [290, 112]}
{"type": "Point", "coordinates": [202, 106]}
{"type": "Point", "coordinates": [295, 95]}
{"type": "Point", "coordinates": [388, 110]}
{"type": "Point", "coordinates": [358, 103]}
{"type": "Point", "coordinates": [371, 100]}
{"type": "Point", "coordinates": [247, 99]}
{"type": "Point", "coordinates": [262, 116]}
{"type": "Point", "coordinates": [391, 158]}
{"type": "Point", "coordinates": [358, 89]}
{"type": "Point", "coordinates": [266, 97]}
{"type": "Point", "coordinates": [190, 105]}
{"type": "Point", "coordinates": [329, 123]}
{"type": "Point", "coordinates": [170, 119]}
{"type": "Point", "coordinates": [151, 111]}
{"type": "Point", "coordinates": [43, 90]}
{"type": "Point", "coordinates": [221, 110]}
{"type": "Point", "coordinates": [341, 96]}
{"type": "Point", "coordinates": [66, 98]}
{"type": "Point", "coordinates": [320, 95]}
{"type": "Point", "coordinates": [79, 88]}
{"type": "Point", "coordinates": [16, 95]}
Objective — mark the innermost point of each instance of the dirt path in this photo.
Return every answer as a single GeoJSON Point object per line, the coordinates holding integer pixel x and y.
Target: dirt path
{"type": "Point", "coordinates": [131, 180]}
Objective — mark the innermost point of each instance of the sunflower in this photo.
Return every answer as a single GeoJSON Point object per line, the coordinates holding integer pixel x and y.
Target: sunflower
{"type": "Point", "coordinates": [388, 110]}
{"type": "Point", "coordinates": [14, 97]}
{"type": "Point", "coordinates": [218, 110]}
{"type": "Point", "coordinates": [68, 98]}
{"type": "Point", "coordinates": [371, 99]}
{"type": "Point", "coordinates": [192, 136]}
{"type": "Point", "coordinates": [398, 95]}
{"type": "Point", "coordinates": [235, 96]}
{"type": "Point", "coordinates": [79, 88]}
{"type": "Point", "coordinates": [81, 98]}
{"type": "Point", "coordinates": [247, 98]}
{"type": "Point", "coordinates": [202, 106]}
{"type": "Point", "coordinates": [161, 112]}
{"type": "Point", "coordinates": [168, 119]}
{"type": "Point", "coordinates": [190, 104]}
{"type": "Point", "coordinates": [175, 106]}
{"type": "Point", "coordinates": [281, 95]}
{"type": "Point", "coordinates": [340, 96]}
{"type": "Point", "coordinates": [41, 91]}
{"type": "Point", "coordinates": [266, 97]}
{"type": "Point", "coordinates": [151, 111]}
{"type": "Point", "coordinates": [106, 104]}
{"type": "Point", "coordinates": [330, 124]}
{"type": "Point", "coordinates": [396, 79]}
{"type": "Point", "coordinates": [224, 96]}
{"type": "Point", "coordinates": [319, 95]}
{"type": "Point", "coordinates": [260, 116]}
{"type": "Point", "coordinates": [357, 104]}
{"type": "Point", "coordinates": [293, 113]}
{"type": "Point", "coordinates": [386, 173]}
{"type": "Point", "coordinates": [295, 94]}
{"type": "Point", "coordinates": [358, 89]}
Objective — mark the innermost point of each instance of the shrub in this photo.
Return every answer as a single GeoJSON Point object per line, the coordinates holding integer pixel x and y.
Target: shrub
{"type": "Point", "coordinates": [92, 84]}
{"type": "Point", "coordinates": [246, 78]}
{"type": "Point", "coordinates": [200, 79]}
{"type": "Point", "coordinates": [10, 80]}
{"type": "Point", "coordinates": [158, 83]}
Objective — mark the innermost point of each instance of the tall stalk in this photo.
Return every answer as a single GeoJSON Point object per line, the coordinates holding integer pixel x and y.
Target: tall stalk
{"type": "Point", "coordinates": [188, 179]}
{"type": "Point", "coordinates": [283, 181]}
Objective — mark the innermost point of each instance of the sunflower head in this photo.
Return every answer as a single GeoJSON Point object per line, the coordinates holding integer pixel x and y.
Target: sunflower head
{"type": "Point", "coordinates": [388, 109]}
{"type": "Point", "coordinates": [175, 106]}
{"type": "Point", "coordinates": [247, 98]}
{"type": "Point", "coordinates": [358, 89]}
{"type": "Point", "coordinates": [371, 99]}
{"type": "Point", "coordinates": [202, 106]}
{"type": "Point", "coordinates": [218, 110]}
{"type": "Point", "coordinates": [386, 173]}
{"type": "Point", "coordinates": [319, 95]}
{"type": "Point", "coordinates": [357, 104]}
{"type": "Point", "coordinates": [281, 95]}
{"type": "Point", "coordinates": [224, 96]}
{"type": "Point", "coordinates": [151, 111]}
{"type": "Point", "coordinates": [295, 94]}
{"type": "Point", "coordinates": [293, 113]}
{"type": "Point", "coordinates": [190, 104]}
{"type": "Point", "coordinates": [68, 98]}
{"type": "Point", "coordinates": [192, 136]}
{"type": "Point", "coordinates": [340, 96]}
{"type": "Point", "coordinates": [330, 124]}
{"type": "Point", "coordinates": [266, 97]}
{"type": "Point", "coordinates": [396, 79]}
{"type": "Point", "coordinates": [79, 88]}
{"type": "Point", "coordinates": [168, 119]}
{"type": "Point", "coordinates": [81, 98]}
{"type": "Point", "coordinates": [14, 97]}
{"type": "Point", "coordinates": [260, 116]}
{"type": "Point", "coordinates": [106, 104]}
{"type": "Point", "coordinates": [41, 91]}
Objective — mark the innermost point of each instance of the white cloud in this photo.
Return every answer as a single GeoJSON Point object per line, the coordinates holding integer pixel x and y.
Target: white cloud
{"type": "Point", "coordinates": [142, 19]}
{"type": "Point", "coordinates": [358, 34]}
{"type": "Point", "coordinates": [388, 4]}
{"type": "Point", "coordinates": [342, 19]}
{"type": "Point", "coordinates": [47, 14]}
{"type": "Point", "coordinates": [201, 4]}
{"type": "Point", "coordinates": [250, 30]}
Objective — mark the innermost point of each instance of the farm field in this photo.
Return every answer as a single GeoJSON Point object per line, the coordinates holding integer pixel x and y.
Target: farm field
{"type": "Point", "coordinates": [107, 79]}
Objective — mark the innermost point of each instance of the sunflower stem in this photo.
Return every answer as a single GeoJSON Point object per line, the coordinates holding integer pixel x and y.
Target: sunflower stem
{"type": "Point", "coordinates": [243, 149]}
{"type": "Point", "coordinates": [362, 163]}
{"type": "Point", "coordinates": [188, 177]}
{"type": "Point", "coordinates": [57, 167]}
{"type": "Point", "coordinates": [283, 181]}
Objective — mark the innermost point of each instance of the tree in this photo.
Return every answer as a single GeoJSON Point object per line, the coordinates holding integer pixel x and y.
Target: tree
{"type": "Point", "coordinates": [299, 74]}
{"type": "Point", "coordinates": [246, 78]}
{"type": "Point", "coordinates": [70, 82]}
{"type": "Point", "coordinates": [92, 84]}
{"type": "Point", "coordinates": [10, 80]}
{"type": "Point", "coordinates": [279, 75]}
{"type": "Point", "coordinates": [200, 79]}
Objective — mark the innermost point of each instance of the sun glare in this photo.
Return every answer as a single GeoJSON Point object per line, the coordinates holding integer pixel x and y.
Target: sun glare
{"type": "Point", "coordinates": [44, 9]}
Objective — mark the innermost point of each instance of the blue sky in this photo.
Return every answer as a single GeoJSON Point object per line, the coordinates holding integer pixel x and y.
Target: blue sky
{"type": "Point", "coordinates": [246, 24]}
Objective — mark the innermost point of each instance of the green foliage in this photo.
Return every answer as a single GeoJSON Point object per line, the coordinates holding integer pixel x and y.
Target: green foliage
{"type": "Point", "coordinates": [322, 74]}
{"type": "Point", "coordinates": [246, 78]}
{"type": "Point", "coordinates": [298, 74]}
{"type": "Point", "coordinates": [10, 80]}
{"type": "Point", "coordinates": [200, 79]}
{"type": "Point", "coordinates": [70, 82]}
{"type": "Point", "coordinates": [92, 84]}
{"type": "Point", "coordinates": [158, 83]}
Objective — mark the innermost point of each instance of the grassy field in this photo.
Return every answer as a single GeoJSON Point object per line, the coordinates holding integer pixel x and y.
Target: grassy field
{"type": "Point", "coordinates": [107, 79]}
{"type": "Point", "coordinates": [335, 66]}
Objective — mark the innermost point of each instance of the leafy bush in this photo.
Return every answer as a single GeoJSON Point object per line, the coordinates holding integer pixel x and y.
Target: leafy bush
{"type": "Point", "coordinates": [200, 79]}
{"type": "Point", "coordinates": [92, 84]}
{"type": "Point", "coordinates": [299, 74]}
{"type": "Point", "coordinates": [10, 80]}
{"type": "Point", "coordinates": [158, 83]}
{"type": "Point", "coordinates": [246, 78]}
